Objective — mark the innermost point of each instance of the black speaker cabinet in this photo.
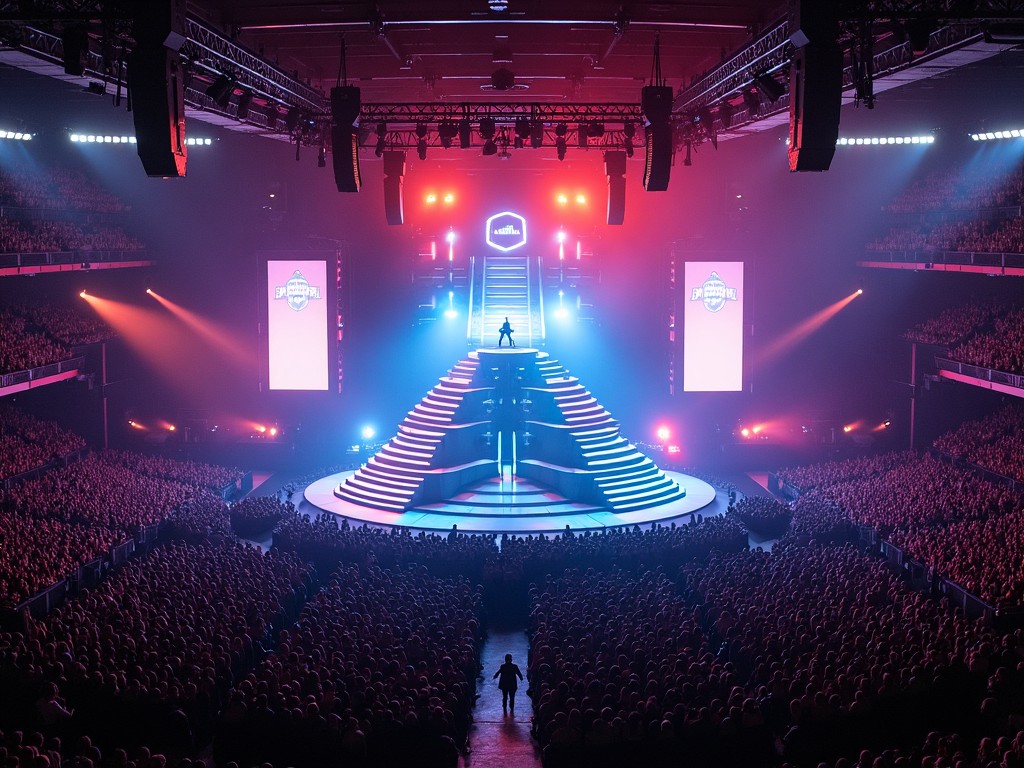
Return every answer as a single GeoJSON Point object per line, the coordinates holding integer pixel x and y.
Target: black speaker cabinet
{"type": "Point", "coordinates": [658, 157]}
{"type": "Point", "coordinates": [345, 155]}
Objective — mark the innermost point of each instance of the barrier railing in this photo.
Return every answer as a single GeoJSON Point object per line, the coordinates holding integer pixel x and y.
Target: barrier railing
{"type": "Point", "coordinates": [38, 472]}
{"type": "Point", "coordinates": [977, 372]}
{"type": "Point", "coordinates": [19, 260]}
{"type": "Point", "coordinates": [52, 369]}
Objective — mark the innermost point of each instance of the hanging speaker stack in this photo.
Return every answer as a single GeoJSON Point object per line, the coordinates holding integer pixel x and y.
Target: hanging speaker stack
{"type": "Point", "coordinates": [345, 106]}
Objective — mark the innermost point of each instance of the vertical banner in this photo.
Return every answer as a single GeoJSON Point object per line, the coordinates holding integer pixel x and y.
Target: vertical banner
{"type": "Point", "coordinates": [297, 328]}
{"type": "Point", "coordinates": [713, 326]}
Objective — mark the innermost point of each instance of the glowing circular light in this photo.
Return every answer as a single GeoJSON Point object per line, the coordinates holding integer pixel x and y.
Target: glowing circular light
{"type": "Point", "coordinates": [83, 294]}
{"type": "Point", "coordinates": [874, 140]}
{"type": "Point", "coordinates": [858, 141]}
{"type": "Point", "coordinates": [273, 431]}
{"type": "Point", "coordinates": [107, 139]}
{"type": "Point", "coordinates": [449, 198]}
{"type": "Point", "coordinates": [431, 198]}
{"type": "Point", "coordinates": [450, 237]}
{"type": "Point", "coordinates": [663, 433]}
{"type": "Point", "coordinates": [745, 432]}
{"type": "Point", "coordinates": [581, 199]}
{"type": "Point", "coordinates": [149, 291]}
{"type": "Point", "coordinates": [207, 142]}
{"type": "Point", "coordinates": [847, 428]}
{"type": "Point", "coordinates": [560, 237]}
{"type": "Point", "coordinates": [74, 137]}
{"type": "Point", "coordinates": [171, 428]}
{"type": "Point", "coordinates": [561, 313]}
{"type": "Point", "coordinates": [562, 199]}
{"type": "Point", "coordinates": [860, 291]}
{"type": "Point", "coordinates": [368, 432]}
{"type": "Point", "coordinates": [451, 314]}
{"type": "Point", "coordinates": [90, 138]}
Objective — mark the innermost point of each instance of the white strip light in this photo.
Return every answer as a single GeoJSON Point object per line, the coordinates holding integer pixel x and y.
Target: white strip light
{"type": "Point", "coordinates": [89, 138]}
{"type": "Point", "coordinates": [885, 140]}
{"type": "Point", "coordinates": [16, 135]}
{"type": "Point", "coordinates": [989, 136]}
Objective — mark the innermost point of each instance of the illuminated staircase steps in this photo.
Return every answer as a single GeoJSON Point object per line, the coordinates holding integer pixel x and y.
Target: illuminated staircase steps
{"type": "Point", "coordinates": [522, 498]}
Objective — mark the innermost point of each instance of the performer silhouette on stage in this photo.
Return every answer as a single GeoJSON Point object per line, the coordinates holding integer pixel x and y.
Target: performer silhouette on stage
{"type": "Point", "coordinates": [506, 330]}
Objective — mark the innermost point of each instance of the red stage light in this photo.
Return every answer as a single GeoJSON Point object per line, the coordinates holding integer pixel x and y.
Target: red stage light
{"type": "Point", "coordinates": [82, 294]}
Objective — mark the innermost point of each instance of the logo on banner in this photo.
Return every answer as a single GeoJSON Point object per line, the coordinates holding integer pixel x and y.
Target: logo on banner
{"type": "Point", "coordinates": [297, 292]}
{"type": "Point", "coordinates": [714, 293]}
{"type": "Point", "coordinates": [506, 231]}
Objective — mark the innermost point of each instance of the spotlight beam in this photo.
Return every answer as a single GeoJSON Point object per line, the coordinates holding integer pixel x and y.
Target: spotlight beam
{"type": "Point", "coordinates": [805, 328]}
{"type": "Point", "coordinates": [212, 333]}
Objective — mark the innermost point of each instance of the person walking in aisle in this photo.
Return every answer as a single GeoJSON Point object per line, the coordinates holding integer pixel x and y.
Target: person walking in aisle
{"type": "Point", "coordinates": [507, 683]}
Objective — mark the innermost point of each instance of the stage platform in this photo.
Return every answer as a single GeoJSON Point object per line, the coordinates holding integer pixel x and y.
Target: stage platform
{"type": "Point", "coordinates": [514, 506]}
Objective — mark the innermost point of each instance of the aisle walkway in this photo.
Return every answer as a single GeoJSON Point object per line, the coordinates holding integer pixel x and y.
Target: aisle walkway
{"type": "Point", "coordinates": [495, 738]}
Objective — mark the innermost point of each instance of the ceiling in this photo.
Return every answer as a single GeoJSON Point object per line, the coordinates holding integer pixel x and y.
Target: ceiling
{"type": "Point", "coordinates": [402, 52]}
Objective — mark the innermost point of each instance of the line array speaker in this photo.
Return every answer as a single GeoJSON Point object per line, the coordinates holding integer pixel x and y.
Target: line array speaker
{"type": "Point", "coordinates": [816, 87]}
{"type": "Point", "coordinates": [658, 157]}
{"type": "Point", "coordinates": [345, 157]}
{"type": "Point", "coordinates": [615, 170]}
{"type": "Point", "coordinates": [155, 85]}
{"type": "Point", "coordinates": [394, 183]}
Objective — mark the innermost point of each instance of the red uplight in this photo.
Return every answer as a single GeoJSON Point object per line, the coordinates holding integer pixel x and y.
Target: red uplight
{"type": "Point", "coordinates": [171, 428]}
{"type": "Point", "coordinates": [149, 291]}
{"type": "Point", "coordinates": [83, 294]}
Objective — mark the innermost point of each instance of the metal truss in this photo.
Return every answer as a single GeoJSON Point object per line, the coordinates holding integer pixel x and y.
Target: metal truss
{"type": "Point", "coordinates": [766, 54]}
{"type": "Point", "coordinates": [501, 113]}
{"type": "Point", "coordinates": [406, 138]}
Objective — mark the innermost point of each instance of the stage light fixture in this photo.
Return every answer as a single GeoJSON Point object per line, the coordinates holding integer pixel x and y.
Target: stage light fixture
{"type": "Point", "coordinates": [83, 294]}
{"type": "Point", "coordinates": [449, 198]}
{"type": "Point", "coordinates": [562, 199]}
{"type": "Point", "coordinates": [581, 199]}
{"type": "Point", "coordinates": [725, 113]}
{"type": "Point", "coordinates": [487, 127]}
{"type": "Point", "coordinates": [447, 131]}
{"type": "Point", "coordinates": [561, 236]}
{"type": "Point", "coordinates": [595, 130]}
{"type": "Point", "coordinates": [582, 135]}
{"type": "Point", "coordinates": [663, 433]}
{"type": "Point", "coordinates": [629, 130]}
{"type": "Point", "coordinates": [560, 146]}
{"type": "Point", "coordinates": [431, 199]}
{"type": "Point", "coordinates": [382, 139]}
{"type": "Point", "coordinates": [291, 120]}
{"type": "Point", "coordinates": [219, 91]}
{"type": "Point", "coordinates": [368, 432]}
{"type": "Point", "coordinates": [1013, 133]}
{"type": "Point", "coordinates": [421, 149]}
{"type": "Point", "coordinates": [149, 291]}
{"type": "Point", "coordinates": [450, 237]}
{"type": "Point", "coordinates": [465, 134]}
{"type": "Point", "coordinates": [537, 134]}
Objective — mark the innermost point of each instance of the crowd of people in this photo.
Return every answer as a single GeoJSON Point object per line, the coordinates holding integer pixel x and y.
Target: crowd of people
{"type": "Point", "coordinates": [958, 191]}
{"type": "Point", "coordinates": [27, 443]}
{"type": "Point", "coordinates": [963, 527]}
{"type": "Point", "coordinates": [1001, 349]}
{"type": "Point", "coordinates": [995, 442]}
{"type": "Point", "coordinates": [148, 656]}
{"type": "Point", "coordinates": [962, 188]}
{"type": "Point", "coordinates": [955, 324]}
{"type": "Point", "coordinates": [22, 348]}
{"type": "Point", "coordinates": [814, 652]}
{"type": "Point", "coordinates": [763, 515]}
{"type": "Point", "coordinates": [74, 514]}
{"type": "Point", "coordinates": [380, 669]}
{"type": "Point", "coordinates": [70, 324]}
{"type": "Point", "coordinates": [54, 187]}
{"type": "Point", "coordinates": [47, 236]}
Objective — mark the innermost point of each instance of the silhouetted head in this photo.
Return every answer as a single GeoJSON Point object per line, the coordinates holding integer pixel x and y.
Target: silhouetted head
{"type": "Point", "coordinates": [508, 658]}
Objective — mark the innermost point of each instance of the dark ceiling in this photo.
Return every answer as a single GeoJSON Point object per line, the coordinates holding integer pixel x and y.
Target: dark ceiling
{"type": "Point", "coordinates": [596, 51]}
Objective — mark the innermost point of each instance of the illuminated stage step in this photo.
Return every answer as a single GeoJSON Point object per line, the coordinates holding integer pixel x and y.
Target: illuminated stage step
{"type": "Point", "coordinates": [501, 411]}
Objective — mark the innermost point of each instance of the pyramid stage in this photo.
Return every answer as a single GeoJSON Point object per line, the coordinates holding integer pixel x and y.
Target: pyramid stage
{"type": "Point", "coordinates": [509, 442]}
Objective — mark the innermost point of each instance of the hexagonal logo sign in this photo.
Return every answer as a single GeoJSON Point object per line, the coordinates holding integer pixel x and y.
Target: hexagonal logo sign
{"type": "Point", "coordinates": [506, 231]}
